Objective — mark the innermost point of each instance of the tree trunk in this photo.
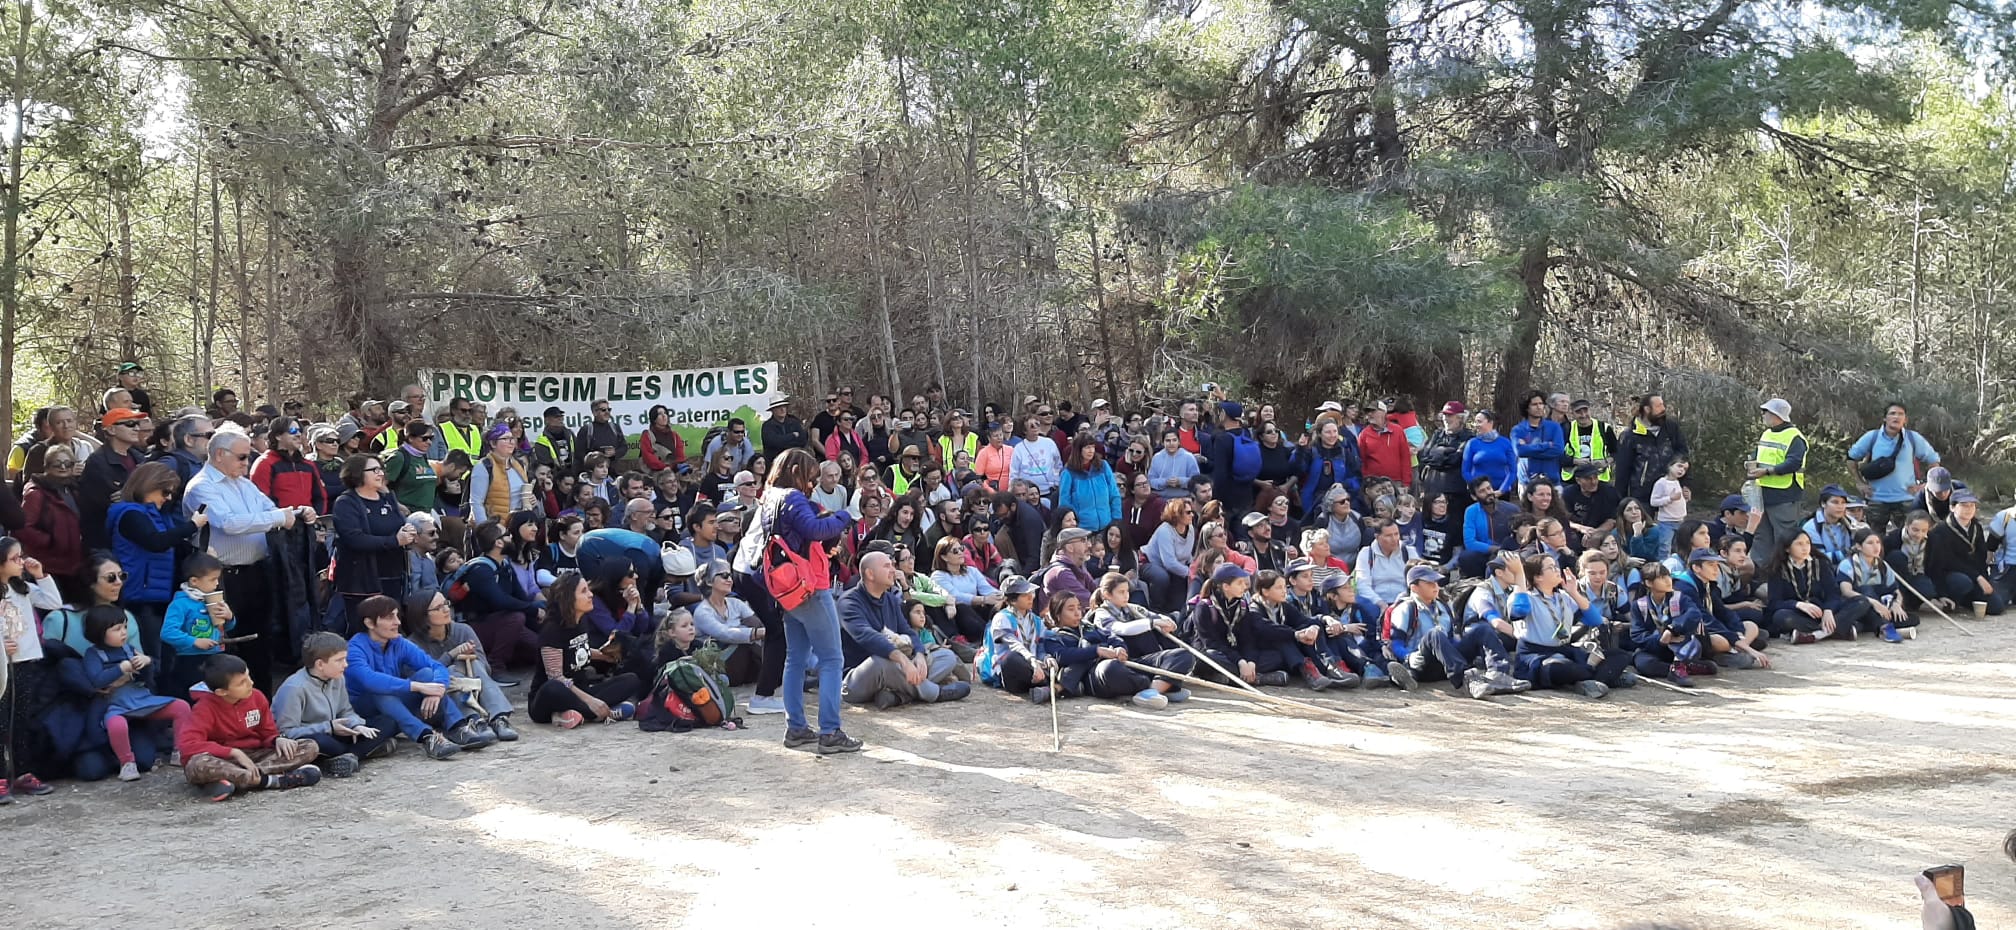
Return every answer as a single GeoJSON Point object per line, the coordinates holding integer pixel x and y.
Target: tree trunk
{"type": "Point", "coordinates": [1515, 364]}
{"type": "Point", "coordinates": [242, 279]}
{"type": "Point", "coordinates": [273, 290]}
{"type": "Point", "coordinates": [216, 269]}
{"type": "Point", "coordinates": [970, 164]}
{"type": "Point", "coordinates": [868, 186]}
{"type": "Point", "coordinates": [196, 270]}
{"type": "Point", "coordinates": [1099, 315]}
{"type": "Point", "coordinates": [129, 305]}
{"type": "Point", "coordinates": [10, 262]}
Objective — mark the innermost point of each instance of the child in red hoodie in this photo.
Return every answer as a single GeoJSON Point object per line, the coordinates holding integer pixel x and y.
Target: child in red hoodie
{"type": "Point", "coordinates": [231, 744]}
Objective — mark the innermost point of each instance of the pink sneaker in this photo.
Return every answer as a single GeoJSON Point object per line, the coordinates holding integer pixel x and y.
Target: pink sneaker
{"type": "Point", "coordinates": [567, 719]}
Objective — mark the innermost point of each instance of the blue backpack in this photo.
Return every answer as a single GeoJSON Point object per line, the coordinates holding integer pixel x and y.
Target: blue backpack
{"type": "Point", "coordinates": [1245, 457]}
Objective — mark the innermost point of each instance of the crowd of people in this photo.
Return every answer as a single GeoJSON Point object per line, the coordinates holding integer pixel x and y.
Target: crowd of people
{"type": "Point", "coordinates": [263, 597]}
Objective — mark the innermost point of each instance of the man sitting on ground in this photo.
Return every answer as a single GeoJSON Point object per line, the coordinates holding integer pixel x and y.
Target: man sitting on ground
{"type": "Point", "coordinates": [886, 666]}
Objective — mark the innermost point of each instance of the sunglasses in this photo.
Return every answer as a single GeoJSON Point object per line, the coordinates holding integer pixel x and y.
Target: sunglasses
{"type": "Point", "coordinates": [201, 435]}
{"type": "Point", "coordinates": [328, 439]}
{"type": "Point", "coordinates": [243, 458]}
{"type": "Point", "coordinates": [114, 577]}
{"type": "Point", "coordinates": [294, 432]}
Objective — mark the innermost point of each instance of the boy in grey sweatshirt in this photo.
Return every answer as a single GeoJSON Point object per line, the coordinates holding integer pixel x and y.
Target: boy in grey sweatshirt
{"type": "Point", "coordinates": [313, 704]}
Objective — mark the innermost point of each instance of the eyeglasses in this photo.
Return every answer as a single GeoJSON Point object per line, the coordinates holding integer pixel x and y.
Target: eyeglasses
{"type": "Point", "coordinates": [601, 410]}
{"type": "Point", "coordinates": [65, 466]}
{"type": "Point", "coordinates": [371, 468]}
{"type": "Point", "coordinates": [201, 435]}
{"type": "Point", "coordinates": [113, 578]}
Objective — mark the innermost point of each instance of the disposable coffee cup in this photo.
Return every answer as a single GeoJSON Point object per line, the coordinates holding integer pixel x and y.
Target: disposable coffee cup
{"type": "Point", "coordinates": [1980, 609]}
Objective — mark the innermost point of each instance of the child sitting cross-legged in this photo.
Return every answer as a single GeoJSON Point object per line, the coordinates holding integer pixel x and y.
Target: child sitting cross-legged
{"type": "Point", "coordinates": [313, 704]}
{"type": "Point", "coordinates": [125, 677]}
{"type": "Point", "coordinates": [231, 744]}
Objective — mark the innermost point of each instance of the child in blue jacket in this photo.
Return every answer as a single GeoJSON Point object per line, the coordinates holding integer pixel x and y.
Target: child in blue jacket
{"type": "Point", "coordinates": [125, 677]}
{"type": "Point", "coordinates": [1013, 659]}
{"type": "Point", "coordinates": [193, 629]}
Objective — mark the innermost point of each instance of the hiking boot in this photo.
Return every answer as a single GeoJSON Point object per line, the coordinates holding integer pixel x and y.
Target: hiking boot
{"type": "Point", "coordinates": [766, 705]}
{"type": "Point", "coordinates": [1374, 675]}
{"type": "Point", "coordinates": [1272, 679]}
{"type": "Point", "coordinates": [1591, 688]}
{"type": "Point", "coordinates": [801, 738]}
{"type": "Point", "coordinates": [1403, 677]}
{"type": "Point", "coordinates": [470, 733]}
{"type": "Point", "coordinates": [1627, 678]}
{"type": "Point", "coordinates": [1314, 679]}
{"type": "Point", "coordinates": [437, 746]}
{"type": "Point", "coordinates": [836, 742]}
{"type": "Point", "coordinates": [1151, 699]}
{"type": "Point", "coordinates": [1503, 682]}
{"type": "Point", "coordinates": [1890, 634]}
{"type": "Point", "coordinates": [1039, 695]}
{"type": "Point", "coordinates": [129, 771]}
{"type": "Point", "coordinates": [302, 777]}
{"type": "Point", "coordinates": [954, 691]}
{"type": "Point", "coordinates": [500, 726]}
{"type": "Point", "coordinates": [1679, 675]}
{"type": "Point", "coordinates": [32, 786]}
{"type": "Point", "coordinates": [1803, 638]}
{"type": "Point", "coordinates": [384, 750]}
{"type": "Point", "coordinates": [1697, 667]}
{"type": "Point", "coordinates": [343, 766]}
{"type": "Point", "coordinates": [886, 699]}
{"type": "Point", "coordinates": [218, 791]}
{"type": "Point", "coordinates": [1177, 695]}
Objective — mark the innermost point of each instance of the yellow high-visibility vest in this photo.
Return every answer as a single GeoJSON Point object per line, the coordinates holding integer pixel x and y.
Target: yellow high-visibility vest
{"type": "Point", "coordinates": [1772, 447]}
{"type": "Point", "coordinates": [1596, 451]}
{"type": "Point", "coordinates": [468, 439]}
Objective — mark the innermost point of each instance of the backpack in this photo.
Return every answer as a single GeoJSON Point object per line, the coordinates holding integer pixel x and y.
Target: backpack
{"type": "Point", "coordinates": [456, 585]}
{"type": "Point", "coordinates": [686, 696]}
{"type": "Point", "coordinates": [1245, 457]}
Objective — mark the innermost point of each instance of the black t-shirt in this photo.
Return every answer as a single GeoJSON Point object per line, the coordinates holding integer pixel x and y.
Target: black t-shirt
{"type": "Point", "coordinates": [1592, 509]}
{"type": "Point", "coordinates": [573, 645]}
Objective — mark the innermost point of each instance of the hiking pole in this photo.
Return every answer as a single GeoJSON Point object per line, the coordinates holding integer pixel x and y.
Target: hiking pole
{"type": "Point", "coordinates": [1268, 700]}
{"type": "Point", "coordinates": [1056, 732]}
{"type": "Point", "coordinates": [1922, 599]}
{"type": "Point", "coordinates": [1207, 660]}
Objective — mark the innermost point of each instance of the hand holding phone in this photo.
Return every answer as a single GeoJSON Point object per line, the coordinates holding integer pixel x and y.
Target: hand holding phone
{"type": "Point", "coordinates": [1950, 882]}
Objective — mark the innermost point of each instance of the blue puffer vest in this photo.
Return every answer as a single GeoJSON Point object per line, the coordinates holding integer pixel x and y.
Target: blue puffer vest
{"type": "Point", "coordinates": [150, 576]}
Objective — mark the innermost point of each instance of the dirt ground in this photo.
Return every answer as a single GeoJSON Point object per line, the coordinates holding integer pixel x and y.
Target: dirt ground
{"type": "Point", "coordinates": [1800, 797]}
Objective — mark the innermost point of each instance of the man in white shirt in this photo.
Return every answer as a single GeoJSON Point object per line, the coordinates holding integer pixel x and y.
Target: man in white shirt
{"type": "Point", "coordinates": [240, 517]}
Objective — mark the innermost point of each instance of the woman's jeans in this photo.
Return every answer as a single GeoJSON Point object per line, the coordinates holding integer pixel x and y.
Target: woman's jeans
{"type": "Point", "coordinates": [812, 633]}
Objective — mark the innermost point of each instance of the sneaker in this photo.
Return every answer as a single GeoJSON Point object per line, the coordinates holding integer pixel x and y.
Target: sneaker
{"type": "Point", "coordinates": [1503, 682]}
{"type": "Point", "coordinates": [6, 796]}
{"type": "Point", "coordinates": [504, 682]}
{"type": "Point", "coordinates": [129, 771]}
{"type": "Point", "coordinates": [302, 777]}
{"type": "Point", "coordinates": [837, 742]}
{"type": "Point", "coordinates": [1273, 679]}
{"type": "Point", "coordinates": [500, 725]}
{"type": "Point", "coordinates": [766, 705]}
{"type": "Point", "coordinates": [885, 699]}
{"type": "Point", "coordinates": [567, 719]}
{"type": "Point", "coordinates": [470, 733]}
{"type": "Point", "coordinates": [1314, 679]}
{"type": "Point", "coordinates": [1846, 631]}
{"type": "Point", "coordinates": [1591, 688]}
{"type": "Point", "coordinates": [1890, 634]}
{"type": "Point", "coordinates": [801, 738]}
{"type": "Point", "coordinates": [1039, 695]}
{"type": "Point", "coordinates": [384, 750]}
{"type": "Point", "coordinates": [1151, 699]}
{"type": "Point", "coordinates": [1374, 675]}
{"type": "Point", "coordinates": [1803, 638]}
{"type": "Point", "coordinates": [1477, 686]}
{"type": "Point", "coordinates": [218, 791]}
{"type": "Point", "coordinates": [1627, 678]}
{"type": "Point", "coordinates": [1337, 672]}
{"type": "Point", "coordinates": [439, 747]}
{"type": "Point", "coordinates": [1679, 675]}
{"type": "Point", "coordinates": [1697, 667]}
{"type": "Point", "coordinates": [954, 691]}
{"type": "Point", "coordinates": [32, 786]}
{"type": "Point", "coordinates": [1177, 695]}
{"type": "Point", "coordinates": [175, 758]}
{"type": "Point", "coordinates": [624, 711]}
{"type": "Point", "coordinates": [344, 766]}
{"type": "Point", "coordinates": [1403, 677]}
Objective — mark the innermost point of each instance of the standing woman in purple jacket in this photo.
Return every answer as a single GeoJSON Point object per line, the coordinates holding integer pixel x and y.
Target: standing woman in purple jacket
{"type": "Point", "coordinates": [813, 628]}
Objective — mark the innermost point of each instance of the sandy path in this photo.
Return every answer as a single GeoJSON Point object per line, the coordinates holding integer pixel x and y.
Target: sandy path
{"type": "Point", "coordinates": [1801, 797]}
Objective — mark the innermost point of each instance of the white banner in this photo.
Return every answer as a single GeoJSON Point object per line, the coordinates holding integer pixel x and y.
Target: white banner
{"type": "Point", "coordinates": [698, 399]}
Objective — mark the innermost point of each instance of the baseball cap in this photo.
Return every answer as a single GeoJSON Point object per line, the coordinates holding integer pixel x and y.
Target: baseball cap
{"type": "Point", "coordinates": [1252, 518]}
{"type": "Point", "coordinates": [1231, 409]}
{"type": "Point", "coordinates": [1299, 565]}
{"type": "Point", "coordinates": [118, 415]}
{"type": "Point", "coordinates": [554, 411]}
{"type": "Point", "coordinates": [1964, 496]}
{"type": "Point", "coordinates": [1100, 404]}
{"type": "Point", "coordinates": [1700, 556]}
{"type": "Point", "coordinates": [1421, 573]}
{"type": "Point", "coordinates": [399, 406]}
{"type": "Point", "coordinates": [1016, 586]}
{"type": "Point", "coordinates": [1330, 406]}
{"type": "Point", "coordinates": [1736, 502]}
{"type": "Point", "coordinates": [1334, 582]}
{"type": "Point", "coordinates": [1578, 405]}
{"type": "Point", "coordinates": [1454, 408]}
{"type": "Point", "coordinates": [1832, 490]}
{"type": "Point", "coordinates": [1939, 480]}
{"type": "Point", "coordinates": [128, 367]}
{"type": "Point", "coordinates": [1587, 471]}
{"type": "Point", "coordinates": [1778, 406]}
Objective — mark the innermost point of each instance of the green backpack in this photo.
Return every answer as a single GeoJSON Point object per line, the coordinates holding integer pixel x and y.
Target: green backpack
{"type": "Point", "coordinates": [685, 696]}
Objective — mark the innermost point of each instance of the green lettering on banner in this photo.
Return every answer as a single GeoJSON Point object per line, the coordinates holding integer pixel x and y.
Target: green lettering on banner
{"type": "Point", "coordinates": [762, 379]}
{"type": "Point", "coordinates": [741, 380]}
{"type": "Point", "coordinates": [549, 389]}
{"type": "Point", "coordinates": [682, 384]}
{"type": "Point", "coordinates": [462, 385]}
{"type": "Point", "coordinates": [633, 387]}
{"type": "Point", "coordinates": [708, 384]}
{"type": "Point", "coordinates": [609, 393]}
{"type": "Point", "coordinates": [442, 383]}
{"type": "Point", "coordinates": [579, 389]}
{"type": "Point", "coordinates": [652, 387]}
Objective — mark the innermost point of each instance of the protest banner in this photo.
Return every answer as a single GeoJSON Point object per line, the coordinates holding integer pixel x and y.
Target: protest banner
{"type": "Point", "coordinates": [697, 399]}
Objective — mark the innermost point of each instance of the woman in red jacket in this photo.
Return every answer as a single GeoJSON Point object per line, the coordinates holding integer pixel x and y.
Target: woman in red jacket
{"type": "Point", "coordinates": [285, 475]}
{"type": "Point", "coordinates": [54, 534]}
{"type": "Point", "coordinates": [660, 446]}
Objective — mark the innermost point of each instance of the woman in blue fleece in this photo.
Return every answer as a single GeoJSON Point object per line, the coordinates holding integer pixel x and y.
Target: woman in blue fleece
{"type": "Point", "coordinates": [390, 677]}
{"type": "Point", "coordinates": [1546, 609]}
{"type": "Point", "coordinates": [789, 516]}
{"type": "Point", "coordinates": [1489, 454]}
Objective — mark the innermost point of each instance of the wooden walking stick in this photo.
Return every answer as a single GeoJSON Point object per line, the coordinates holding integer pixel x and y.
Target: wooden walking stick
{"type": "Point", "coordinates": [1271, 700]}
{"type": "Point", "coordinates": [1207, 660]}
{"type": "Point", "coordinates": [1932, 604]}
{"type": "Point", "coordinates": [1056, 732]}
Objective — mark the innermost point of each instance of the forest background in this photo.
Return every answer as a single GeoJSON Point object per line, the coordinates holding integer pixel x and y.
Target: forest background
{"type": "Point", "coordinates": [1721, 200]}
